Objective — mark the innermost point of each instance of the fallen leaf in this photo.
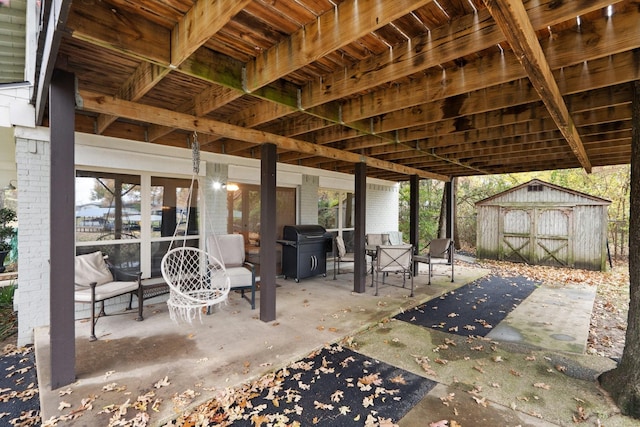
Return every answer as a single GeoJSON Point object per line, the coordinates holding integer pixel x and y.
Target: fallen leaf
{"type": "Point", "coordinates": [337, 396]}
{"type": "Point", "coordinates": [162, 383]}
{"type": "Point", "coordinates": [344, 410]}
{"type": "Point", "coordinates": [398, 379]}
{"type": "Point", "coordinates": [65, 392]}
{"type": "Point", "coordinates": [482, 402]}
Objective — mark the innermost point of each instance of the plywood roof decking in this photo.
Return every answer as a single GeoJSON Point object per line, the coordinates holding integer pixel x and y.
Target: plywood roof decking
{"type": "Point", "coordinates": [408, 86]}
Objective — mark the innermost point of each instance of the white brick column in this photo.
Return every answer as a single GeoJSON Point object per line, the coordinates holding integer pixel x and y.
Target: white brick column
{"type": "Point", "coordinates": [33, 161]}
{"type": "Point", "coordinates": [215, 199]}
{"type": "Point", "coordinates": [382, 208]}
{"type": "Point", "coordinates": [309, 199]}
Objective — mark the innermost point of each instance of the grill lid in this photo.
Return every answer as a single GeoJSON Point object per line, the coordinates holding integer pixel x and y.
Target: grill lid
{"type": "Point", "coordinates": [303, 232]}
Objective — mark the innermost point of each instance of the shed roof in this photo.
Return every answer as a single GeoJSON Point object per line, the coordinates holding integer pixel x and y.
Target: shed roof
{"type": "Point", "coordinates": [592, 200]}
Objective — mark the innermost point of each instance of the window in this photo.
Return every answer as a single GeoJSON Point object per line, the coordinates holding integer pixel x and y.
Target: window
{"type": "Point", "coordinates": [108, 216]}
{"type": "Point", "coordinates": [336, 213]}
{"type": "Point", "coordinates": [135, 231]}
{"type": "Point", "coordinates": [244, 211]}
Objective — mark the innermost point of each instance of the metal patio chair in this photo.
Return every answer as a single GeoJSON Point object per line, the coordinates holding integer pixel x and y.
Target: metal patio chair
{"type": "Point", "coordinates": [440, 251]}
{"type": "Point", "coordinates": [343, 255]}
{"type": "Point", "coordinates": [393, 259]}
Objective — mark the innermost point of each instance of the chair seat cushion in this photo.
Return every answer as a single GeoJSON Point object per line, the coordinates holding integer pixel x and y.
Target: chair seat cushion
{"type": "Point", "coordinates": [105, 291]}
{"type": "Point", "coordinates": [92, 268]}
{"type": "Point", "coordinates": [240, 277]}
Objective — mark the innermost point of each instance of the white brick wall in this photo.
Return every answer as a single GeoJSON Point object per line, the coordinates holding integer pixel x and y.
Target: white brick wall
{"type": "Point", "coordinates": [382, 208]}
{"type": "Point", "coordinates": [309, 199]}
{"type": "Point", "coordinates": [216, 199]}
{"type": "Point", "coordinates": [33, 160]}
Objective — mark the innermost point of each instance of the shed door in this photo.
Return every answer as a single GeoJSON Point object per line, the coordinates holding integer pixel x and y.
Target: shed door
{"type": "Point", "coordinates": [553, 237]}
{"type": "Point", "coordinates": [536, 236]}
{"type": "Point", "coordinates": [515, 235]}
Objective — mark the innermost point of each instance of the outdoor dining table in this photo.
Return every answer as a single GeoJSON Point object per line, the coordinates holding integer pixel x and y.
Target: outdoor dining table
{"type": "Point", "coordinates": [372, 251]}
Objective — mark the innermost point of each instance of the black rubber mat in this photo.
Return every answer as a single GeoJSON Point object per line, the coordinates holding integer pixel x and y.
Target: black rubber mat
{"type": "Point", "coordinates": [19, 398]}
{"type": "Point", "coordinates": [473, 309]}
{"type": "Point", "coordinates": [337, 387]}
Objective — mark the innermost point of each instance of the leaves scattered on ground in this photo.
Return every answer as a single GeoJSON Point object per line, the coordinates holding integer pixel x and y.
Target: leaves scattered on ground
{"type": "Point", "coordinates": [609, 315]}
{"type": "Point", "coordinates": [21, 390]}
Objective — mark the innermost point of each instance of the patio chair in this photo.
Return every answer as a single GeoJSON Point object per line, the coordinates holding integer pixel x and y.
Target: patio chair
{"type": "Point", "coordinates": [343, 255]}
{"type": "Point", "coordinates": [393, 259]}
{"type": "Point", "coordinates": [440, 251]}
{"type": "Point", "coordinates": [97, 281]}
{"type": "Point", "coordinates": [229, 249]}
{"type": "Point", "coordinates": [377, 239]}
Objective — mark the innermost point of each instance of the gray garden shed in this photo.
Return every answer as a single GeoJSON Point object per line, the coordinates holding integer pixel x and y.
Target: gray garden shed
{"type": "Point", "coordinates": [541, 223]}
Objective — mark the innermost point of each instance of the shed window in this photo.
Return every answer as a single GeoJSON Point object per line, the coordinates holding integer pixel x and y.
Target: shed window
{"type": "Point", "coordinates": [534, 187]}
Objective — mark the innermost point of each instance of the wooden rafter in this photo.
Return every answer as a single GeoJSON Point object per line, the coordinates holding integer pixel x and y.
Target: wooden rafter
{"type": "Point", "coordinates": [135, 111]}
{"type": "Point", "coordinates": [187, 36]}
{"type": "Point", "coordinates": [511, 17]}
{"type": "Point", "coordinates": [347, 22]}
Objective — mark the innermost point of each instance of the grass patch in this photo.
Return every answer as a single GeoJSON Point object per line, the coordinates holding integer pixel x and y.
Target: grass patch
{"type": "Point", "coordinates": [8, 318]}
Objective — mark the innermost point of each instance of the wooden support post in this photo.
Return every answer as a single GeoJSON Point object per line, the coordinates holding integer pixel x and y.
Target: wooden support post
{"type": "Point", "coordinates": [62, 229]}
{"type": "Point", "coordinates": [268, 232]}
{"type": "Point", "coordinates": [360, 267]}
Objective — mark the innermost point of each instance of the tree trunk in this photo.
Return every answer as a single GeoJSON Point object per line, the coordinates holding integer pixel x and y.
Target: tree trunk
{"type": "Point", "coordinates": [456, 229]}
{"type": "Point", "coordinates": [443, 215]}
{"type": "Point", "coordinates": [623, 382]}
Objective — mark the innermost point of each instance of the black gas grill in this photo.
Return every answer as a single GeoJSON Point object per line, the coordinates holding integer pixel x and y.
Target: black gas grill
{"type": "Point", "coordinates": [304, 251]}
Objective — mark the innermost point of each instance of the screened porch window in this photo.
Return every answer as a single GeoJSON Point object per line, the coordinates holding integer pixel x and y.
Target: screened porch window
{"type": "Point", "coordinates": [336, 213]}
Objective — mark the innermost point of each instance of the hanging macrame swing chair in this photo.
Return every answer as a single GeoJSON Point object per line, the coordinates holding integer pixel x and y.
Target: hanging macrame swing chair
{"type": "Point", "coordinates": [197, 281]}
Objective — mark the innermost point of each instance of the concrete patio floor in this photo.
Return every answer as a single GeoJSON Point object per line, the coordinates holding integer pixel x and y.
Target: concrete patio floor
{"type": "Point", "coordinates": [232, 347]}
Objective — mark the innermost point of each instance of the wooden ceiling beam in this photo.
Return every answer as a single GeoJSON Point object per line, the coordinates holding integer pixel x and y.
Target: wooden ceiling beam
{"type": "Point", "coordinates": [530, 115]}
{"type": "Point", "coordinates": [611, 70]}
{"type": "Point", "coordinates": [145, 77]}
{"type": "Point", "coordinates": [199, 24]}
{"type": "Point", "coordinates": [605, 114]}
{"type": "Point", "coordinates": [134, 111]}
{"type": "Point", "coordinates": [464, 36]}
{"type": "Point", "coordinates": [604, 72]}
{"type": "Point", "coordinates": [342, 25]}
{"type": "Point", "coordinates": [511, 17]}
{"type": "Point", "coordinates": [202, 67]}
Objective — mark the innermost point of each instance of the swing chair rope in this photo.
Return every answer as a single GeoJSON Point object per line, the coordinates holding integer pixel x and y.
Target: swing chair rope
{"type": "Point", "coordinates": [196, 279]}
